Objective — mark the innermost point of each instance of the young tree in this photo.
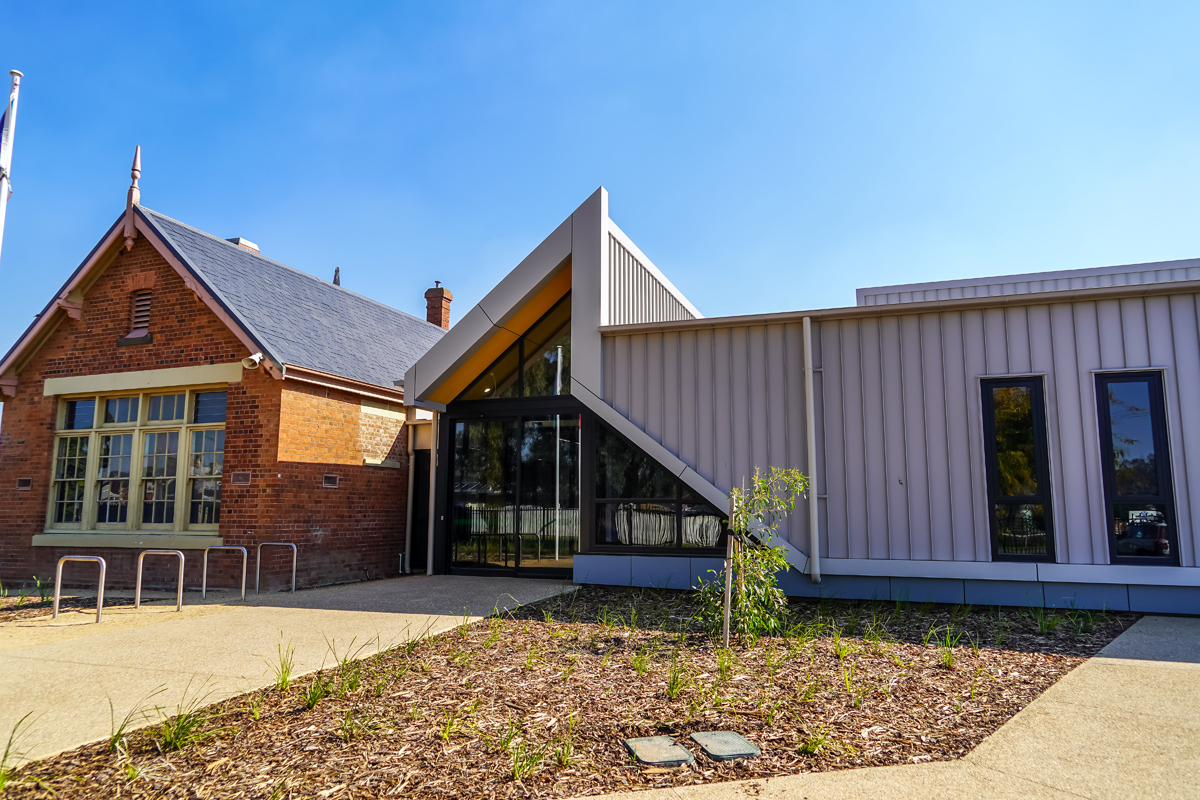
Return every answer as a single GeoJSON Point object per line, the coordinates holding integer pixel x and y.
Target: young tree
{"type": "Point", "coordinates": [759, 607]}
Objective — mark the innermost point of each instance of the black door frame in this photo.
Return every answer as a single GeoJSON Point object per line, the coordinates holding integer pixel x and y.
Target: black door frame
{"type": "Point", "coordinates": [508, 409]}
{"type": "Point", "coordinates": [1044, 496]}
{"type": "Point", "coordinates": [1166, 495]}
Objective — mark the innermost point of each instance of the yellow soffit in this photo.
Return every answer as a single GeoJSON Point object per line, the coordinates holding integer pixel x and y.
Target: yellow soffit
{"type": "Point", "coordinates": [504, 337]}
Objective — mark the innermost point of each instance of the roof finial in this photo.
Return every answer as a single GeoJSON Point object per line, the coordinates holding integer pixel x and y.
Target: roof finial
{"type": "Point", "coordinates": [134, 198]}
{"type": "Point", "coordinates": [337, 276]}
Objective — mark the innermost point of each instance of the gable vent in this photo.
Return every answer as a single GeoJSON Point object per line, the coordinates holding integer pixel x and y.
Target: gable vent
{"type": "Point", "coordinates": [329, 482]}
{"type": "Point", "coordinates": [141, 310]}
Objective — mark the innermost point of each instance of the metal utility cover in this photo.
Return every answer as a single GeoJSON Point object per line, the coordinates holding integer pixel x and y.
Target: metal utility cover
{"type": "Point", "coordinates": [659, 751]}
{"type": "Point", "coordinates": [725, 745]}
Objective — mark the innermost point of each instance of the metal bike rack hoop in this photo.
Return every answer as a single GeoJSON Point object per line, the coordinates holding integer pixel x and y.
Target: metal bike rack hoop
{"type": "Point", "coordinates": [204, 574]}
{"type": "Point", "coordinates": [137, 587]}
{"type": "Point", "coordinates": [99, 592]}
{"type": "Point", "coordinates": [258, 562]}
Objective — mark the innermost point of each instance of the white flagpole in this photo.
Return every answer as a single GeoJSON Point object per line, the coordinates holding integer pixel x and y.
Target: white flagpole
{"type": "Point", "coordinates": [6, 146]}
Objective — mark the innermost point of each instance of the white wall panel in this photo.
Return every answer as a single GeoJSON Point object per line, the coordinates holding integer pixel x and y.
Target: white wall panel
{"type": "Point", "coordinates": [898, 414]}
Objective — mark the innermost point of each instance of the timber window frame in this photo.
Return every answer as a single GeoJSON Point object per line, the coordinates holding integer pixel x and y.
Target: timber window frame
{"type": "Point", "coordinates": [116, 469]}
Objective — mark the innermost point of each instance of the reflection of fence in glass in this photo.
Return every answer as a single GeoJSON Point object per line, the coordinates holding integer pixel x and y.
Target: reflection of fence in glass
{"type": "Point", "coordinates": [1020, 530]}
{"type": "Point", "coordinates": [490, 527]}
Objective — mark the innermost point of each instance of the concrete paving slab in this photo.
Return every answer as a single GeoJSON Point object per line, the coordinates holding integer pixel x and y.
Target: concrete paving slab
{"type": "Point", "coordinates": [1167, 639]}
{"type": "Point", "coordinates": [947, 780]}
{"type": "Point", "coordinates": [65, 672]}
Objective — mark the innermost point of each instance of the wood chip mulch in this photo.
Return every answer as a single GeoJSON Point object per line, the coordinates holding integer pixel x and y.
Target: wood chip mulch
{"type": "Point", "coordinates": [537, 703]}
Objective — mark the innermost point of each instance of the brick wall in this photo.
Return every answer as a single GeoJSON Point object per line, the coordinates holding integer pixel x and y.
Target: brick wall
{"type": "Point", "coordinates": [286, 435]}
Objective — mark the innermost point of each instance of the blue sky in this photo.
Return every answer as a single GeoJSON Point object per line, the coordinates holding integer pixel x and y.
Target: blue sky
{"type": "Point", "coordinates": [766, 156]}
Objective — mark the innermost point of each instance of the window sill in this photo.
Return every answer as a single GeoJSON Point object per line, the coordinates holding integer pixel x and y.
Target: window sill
{"type": "Point", "coordinates": [140, 540]}
{"type": "Point", "coordinates": [126, 341]}
{"type": "Point", "coordinates": [375, 462]}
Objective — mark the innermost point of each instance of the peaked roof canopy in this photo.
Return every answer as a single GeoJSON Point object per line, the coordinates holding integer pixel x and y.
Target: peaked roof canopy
{"type": "Point", "coordinates": [295, 318]}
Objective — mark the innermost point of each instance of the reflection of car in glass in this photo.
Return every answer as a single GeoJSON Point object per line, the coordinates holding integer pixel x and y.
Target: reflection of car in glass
{"type": "Point", "coordinates": [1144, 538]}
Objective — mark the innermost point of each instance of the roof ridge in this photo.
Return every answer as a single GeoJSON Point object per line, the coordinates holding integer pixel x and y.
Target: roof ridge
{"type": "Point", "coordinates": [308, 275]}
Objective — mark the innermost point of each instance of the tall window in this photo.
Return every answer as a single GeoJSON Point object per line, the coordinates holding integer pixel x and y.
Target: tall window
{"type": "Point", "coordinates": [1137, 468]}
{"type": "Point", "coordinates": [537, 365]}
{"type": "Point", "coordinates": [641, 505]}
{"type": "Point", "coordinates": [150, 461]}
{"type": "Point", "coordinates": [1018, 475]}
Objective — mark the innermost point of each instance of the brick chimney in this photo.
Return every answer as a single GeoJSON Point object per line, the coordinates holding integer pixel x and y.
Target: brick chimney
{"type": "Point", "coordinates": [437, 305]}
{"type": "Point", "coordinates": [246, 243]}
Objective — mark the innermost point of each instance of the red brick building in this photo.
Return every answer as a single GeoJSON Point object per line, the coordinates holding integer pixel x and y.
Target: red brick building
{"type": "Point", "coordinates": [183, 391]}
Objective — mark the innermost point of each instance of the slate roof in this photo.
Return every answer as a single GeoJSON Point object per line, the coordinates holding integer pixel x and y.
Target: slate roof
{"type": "Point", "coordinates": [297, 318]}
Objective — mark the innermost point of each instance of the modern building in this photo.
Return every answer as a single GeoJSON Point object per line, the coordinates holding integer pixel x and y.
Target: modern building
{"type": "Point", "coordinates": [1029, 440]}
{"type": "Point", "coordinates": [183, 391]}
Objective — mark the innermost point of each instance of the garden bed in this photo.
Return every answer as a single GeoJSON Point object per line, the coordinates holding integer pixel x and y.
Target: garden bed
{"type": "Point", "coordinates": [537, 703]}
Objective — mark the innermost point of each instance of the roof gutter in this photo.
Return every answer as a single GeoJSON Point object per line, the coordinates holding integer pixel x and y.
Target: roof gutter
{"type": "Point", "coordinates": [342, 384]}
{"type": "Point", "coordinates": [902, 309]}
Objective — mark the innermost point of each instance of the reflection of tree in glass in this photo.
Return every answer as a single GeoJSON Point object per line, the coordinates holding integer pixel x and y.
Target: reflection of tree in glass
{"type": "Point", "coordinates": [623, 470]}
{"type": "Point", "coordinates": [1015, 454]}
{"type": "Point", "coordinates": [538, 480]}
{"type": "Point", "coordinates": [1134, 467]}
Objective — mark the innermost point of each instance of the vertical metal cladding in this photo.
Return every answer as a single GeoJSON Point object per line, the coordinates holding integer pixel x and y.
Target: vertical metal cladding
{"type": "Point", "coordinates": [898, 414]}
{"type": "Point", "coordinates": [635, 295]}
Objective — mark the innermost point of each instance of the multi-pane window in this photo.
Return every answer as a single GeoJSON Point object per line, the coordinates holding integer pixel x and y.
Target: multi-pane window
{"type": "Point", "coordinates": [641, 504]}
{"type": "Point", "coordinates": [120, 410]}
{"type": "Point", "coordinates": [208, 456]}
{"type": "Point", "coordinates": [537, 365]}
{"type": "Point", "coordinates": [160, 470]}
{"type": "Point", "coordinates": [166, 407]}
{"type": "Point", "coordinates": [70, 469]}
{"type": "Point", "coordinates": [160, 457]}
{"type": "Point", "coordinates": [112, 477]}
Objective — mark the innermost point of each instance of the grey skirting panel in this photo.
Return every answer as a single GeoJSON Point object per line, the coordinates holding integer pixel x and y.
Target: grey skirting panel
{"type": "Point", "coordinates": [667, 572]}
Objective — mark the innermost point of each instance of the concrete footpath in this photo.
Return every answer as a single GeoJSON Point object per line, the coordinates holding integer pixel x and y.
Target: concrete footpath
{"type": "Point", "coordinates": [1123, 724]}
{"type": "Point", "coordinates": [66, 671]}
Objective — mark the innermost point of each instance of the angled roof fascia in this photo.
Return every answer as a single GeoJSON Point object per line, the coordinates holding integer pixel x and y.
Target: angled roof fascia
{"type": "Point", "coordinates": [489, 316]}
{"type": "Point", "coordinates": [45, 318]}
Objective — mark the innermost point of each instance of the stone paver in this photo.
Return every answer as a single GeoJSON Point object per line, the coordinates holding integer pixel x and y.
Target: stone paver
{"type": "Point", "coordinates": [1123, 724]}
{"type": "Point", "coordinates": [66, 671]}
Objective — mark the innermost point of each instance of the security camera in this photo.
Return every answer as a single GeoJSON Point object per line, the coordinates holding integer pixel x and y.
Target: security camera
{"type": "Point", "coordinates": [253, 361]}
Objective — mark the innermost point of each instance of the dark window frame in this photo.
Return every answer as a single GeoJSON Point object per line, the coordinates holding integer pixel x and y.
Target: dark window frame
{"type": "Point", "coordinates": [1044, 496]}
{"type": "Point", "coordinates": [519, 345]}
{"type": "Point", "coordinates": [511, 409]}
{"type": "Point", "coordinates": [1162, 444]}
{"type": "Point", "coordinates": [517, 409]}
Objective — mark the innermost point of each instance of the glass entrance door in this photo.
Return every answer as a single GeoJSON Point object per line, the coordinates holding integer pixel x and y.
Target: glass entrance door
{"type": "Point", "coordinates": [483, 503]}
{"type": "Point", "coordinates": [550, 464]}
{"type": "Point", "coordinates": [1137, 468]}
{"type": "Point", "coordinates": [514, 503]}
